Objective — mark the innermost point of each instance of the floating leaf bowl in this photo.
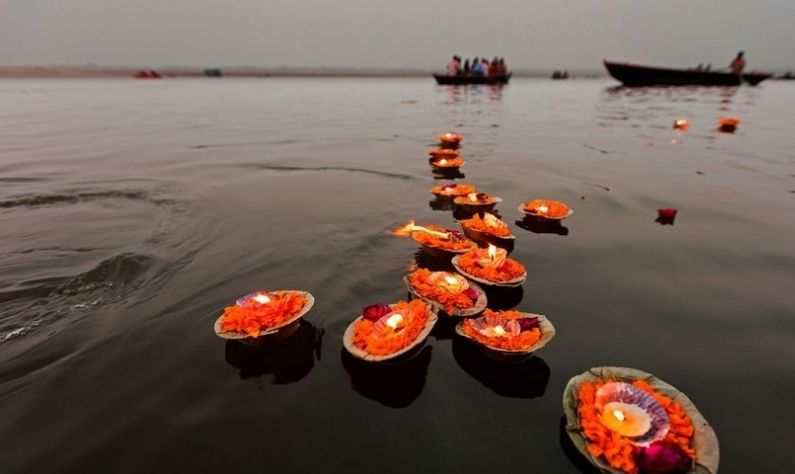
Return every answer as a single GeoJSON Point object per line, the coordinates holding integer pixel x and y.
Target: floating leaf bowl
{"type": "Point", "coordinates": [477, 308]}
{"type": "Point", "coordinates": [356, 351]}
{"type": "Point", "coordinates": [486, 237]}
{"type": "Point", "coordinates": [543, 216]}
{"type": "Point", "coordinates": [705, 441]}
{"type": "Point", "coordinates": [512, 283]}
{"type": "Point", "coordinates": [547, 333]}
{"type": "Point", "coordinates": [310, 301]}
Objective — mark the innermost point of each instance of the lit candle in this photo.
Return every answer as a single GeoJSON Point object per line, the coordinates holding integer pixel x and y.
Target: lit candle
{"type": "Point", "coordinates": [626, 419]}
{"type": "Point", "coordinates": [499, 330]}
{"type": "Point", "coordinates": [261, 298]}
{"type": "Point", "coordinates": [492, 252]}
{"type": "Point", "coordinates": [453, 283]}
{"type": "Point", "coordinates": [681, 124]}
{"type": "Point", "coordinates": [394, 321]}
{"type": "Point", "coordinates": [490, 220]}
{"type": "Point", "coordinates": [542, 209]}
{"type": "Point", "coordinates": [443, 162]}
{"type": "Point", "coordinates": [472, 197]}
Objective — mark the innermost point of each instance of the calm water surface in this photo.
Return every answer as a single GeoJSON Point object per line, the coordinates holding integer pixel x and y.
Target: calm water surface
{"type": "Point", "coordinates": [131, 212]}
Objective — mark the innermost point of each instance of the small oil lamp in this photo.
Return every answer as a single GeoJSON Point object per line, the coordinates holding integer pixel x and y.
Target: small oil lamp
{"type": "Point", "coordinates": [499, 330]}
{"type": "Point", "coordinates": [728, 124]}
{"type": "Point", "coordinates": [254, 300]}
{"type": "Point", "coordinates": [626, 419]}
{"type": "Point", "coordinates": [442, 162]}
{"type": "Point", "coordinates": [395, 321]}
{"type": "Point", "coordinates": [450, 138]}
{"type": "Point", "coordinates": [494, 257]}
{"type": "Point", "coordinates": [453, 283]}
{"type": "Point", "coordinates": [682, 125]}
{"type": "Point", "coordinates": [472, 197]}
{"type": "Point", "coordinates": [542, 209]}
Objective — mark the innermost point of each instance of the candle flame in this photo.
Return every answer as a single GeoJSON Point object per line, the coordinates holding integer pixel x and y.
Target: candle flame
{"type": "Point", "coordinates": [492, 252]}
{"type": "Point", "coordinates": [443, 162]}
{"type": "Point", "coordinates": [407, 229]}
{"type": "Point", "coordinates": [262, 299]}
{"type": "Point", "coordinates": [451, 279]}
{"type": "Point", "coordinates": [499, 330]}
{"type": "Point", "coordinates": [619, 415]}
{"type": "Point", "coordinates": [542, 209]}
{"type": "Point", "coordinates": [394, 320]}
{"type": "Point", "coordinates": [490, 219]}
{"type": "Point", "coordinates": [472, 197]}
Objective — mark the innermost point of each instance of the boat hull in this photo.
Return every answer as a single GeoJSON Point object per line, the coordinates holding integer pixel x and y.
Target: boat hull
{"type": "Point", "coordinates": [635, 75]}
{"type": "Point", "coordinates": [443, 79]}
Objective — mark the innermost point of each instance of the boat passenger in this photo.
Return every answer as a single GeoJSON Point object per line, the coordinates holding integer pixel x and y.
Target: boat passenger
{"type": "Point", "coordinates": [494, 67]}
{"type": "Point", "coordinates": [476, 68]}
{"type": "Point", "coordinates": [466, 66]}
{"type": "Point", "coordinates": [738, 64]}
{"type": "Point", "coordinates": [453, 66]}
{"type": "Point", "coordinates": [503, 67]}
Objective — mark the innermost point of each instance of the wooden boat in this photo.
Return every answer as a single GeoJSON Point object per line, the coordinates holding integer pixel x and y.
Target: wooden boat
{"type": "Point", "coordinates": [148, 74]}
{"type": "Point", "coordinates": [444, 79]}
{"type": "Point", "coordinates": [636, 75]}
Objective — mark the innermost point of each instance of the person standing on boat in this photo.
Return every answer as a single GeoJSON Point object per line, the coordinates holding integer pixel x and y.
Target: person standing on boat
{"type": "Point", "coordinates": [466, 66]}
{"type": "Point", "coordinates": [494, 67]}
{"type": "Point", "coordinates": [738, 64]}
{"type": "Point", "coordinates": [453, 67]}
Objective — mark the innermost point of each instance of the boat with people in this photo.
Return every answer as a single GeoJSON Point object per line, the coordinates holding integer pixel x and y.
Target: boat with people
{"type": "Point", "coordinates": [479, 71]}
{"type": "Point", "coordinates": [638, 75]}
{"type": "Point", "coordinates": [148, 74]}
{"type": "Point", "coordinates": [443, 79]}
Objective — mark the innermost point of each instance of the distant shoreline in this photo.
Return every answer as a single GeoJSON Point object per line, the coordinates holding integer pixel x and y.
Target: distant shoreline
{"type": "Point", "coordinates": [100, 72]}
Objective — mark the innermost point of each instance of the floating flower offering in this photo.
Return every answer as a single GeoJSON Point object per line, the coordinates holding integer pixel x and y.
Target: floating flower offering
{"type": "Point", "coordinates": [447, 163]}
{"type": "Point", "coordinates": [446, 290]}
{"type": "Point", "coordinates": [666, 216]}
{"type": "Point", "coordinates": [728, 124]}
{"type": "Point", "coordinates": [443, 153]}
{"type": "Point", "coordinates": [625, 420]}
{"type": "Point", "coordinates": [681, 124]}
{"type": "Point", "coordinates": [491, 267]}
{"type": "Point", "coordinates": [477, 200]}
{"type": "Point", "coordinates": [450, 139]}
{"type": "Point", "coordinates": [508, 331]}
{"type": "Point", "coordinates": [452, 190]}
{"type": "Point", "coordinates": [387, 331]}
{"type": "Point", "coordinates": [436, 237]}
{"type": "Point", "coordinates": [554, 210]}
{"type": "Point", "coordinates": [489, 224]}
{"type": "Point", "coordinates": [262, 313]}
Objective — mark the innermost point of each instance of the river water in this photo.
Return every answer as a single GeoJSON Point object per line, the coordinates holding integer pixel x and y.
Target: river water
{"type": "Point", "coordinates": [132, 212]}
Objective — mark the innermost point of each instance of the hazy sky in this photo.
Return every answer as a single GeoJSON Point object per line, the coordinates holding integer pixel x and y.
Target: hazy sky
{"type": "Point", "coordinates": [531, 34]}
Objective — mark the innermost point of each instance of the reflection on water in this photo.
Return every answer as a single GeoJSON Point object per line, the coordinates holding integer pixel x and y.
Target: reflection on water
{"type": "Point", "coordinates": [450, 174]}
{"type": "Point", "coordinates": [441, 204]}
{"type": "Point", "coordinates": [508, 376]}
{"type": "Point", "coordinates": [473, 93]}
{"type": "Point", "coordinates": [542, 226]}
{"type": "Point", "coordinates": [395, 383]}
{"type": "Point", "coordinates": [433, 259]}
{"type": "Point", "coordinates": [289, 355]}
{"type": "Point", "coordinates": [501, 298]}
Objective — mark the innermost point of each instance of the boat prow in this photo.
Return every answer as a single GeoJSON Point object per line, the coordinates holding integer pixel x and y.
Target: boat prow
{"type": "Point", "coordinates": [638, 75]}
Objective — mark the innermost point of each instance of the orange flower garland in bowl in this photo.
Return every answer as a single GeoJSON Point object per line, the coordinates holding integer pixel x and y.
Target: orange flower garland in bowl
{"type": "Point", "coordinates": [546, 209]}
{"type": "Point", "coordinates": [448, 291]}
{"type": "Point", "coordinates": [443, 153]}
{"type": "Point", "coordinates": [450, 139]}
{"type": "Point", "coordinates": [510, 332]}
{"type": "Point", "coordinates": [385, 332]}
{"type": "Point", "coordinates": [435, 238]}
{"type": "Point", "coordinates": [491, 267]}
{"type": "Point", "coordinates": [477, 201]}
{"type": "Point", "coordinates": [689, 444]}
{"type": "Point", "coordinates": [447, 163]}
{"type": "Point", "coordinates": [481, 228]}
{"type": "Point", "coordinates": [262, 313]}
{"type": "Point", "coordinates": [452, 190]}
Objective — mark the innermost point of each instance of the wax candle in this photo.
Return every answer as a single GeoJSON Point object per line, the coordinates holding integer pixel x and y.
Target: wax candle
{"type": "Point", "coordinates": [626, 419]}
{"type": "Point", "coordinates": [394, 321]}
